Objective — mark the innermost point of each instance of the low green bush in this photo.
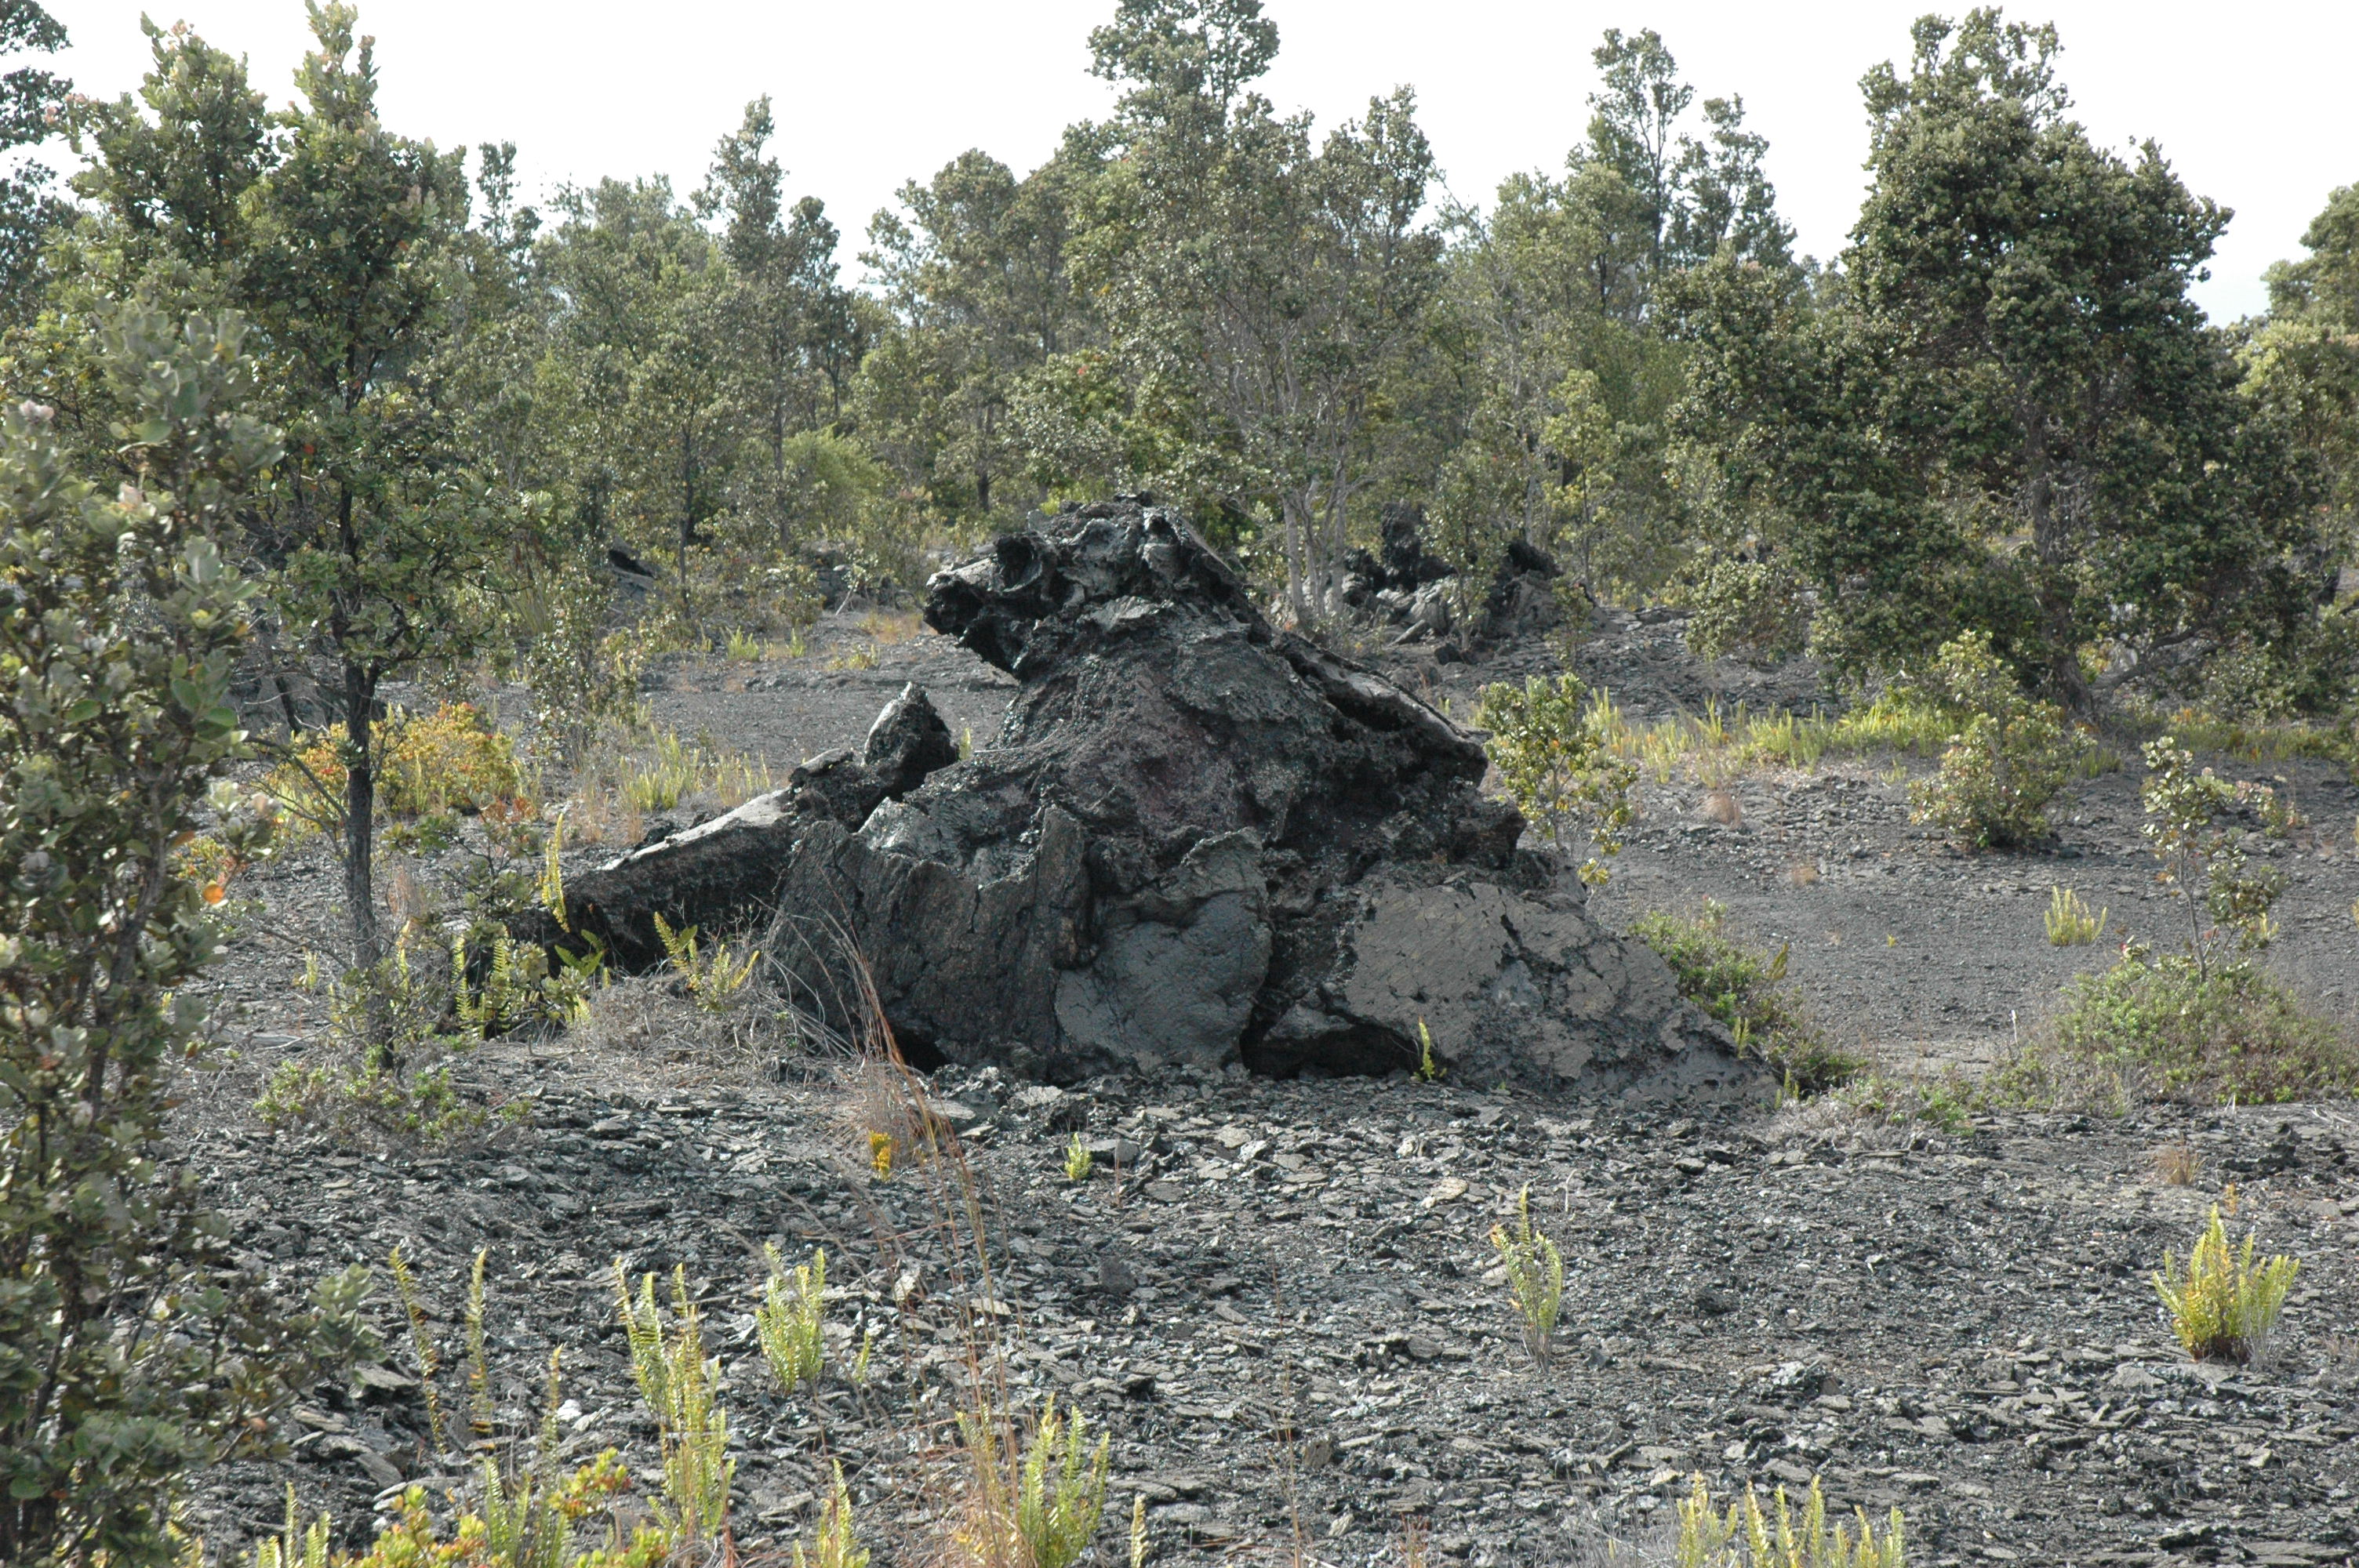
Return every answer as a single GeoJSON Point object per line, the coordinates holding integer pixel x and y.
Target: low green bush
{"type": "Point", "coordinates": [2009, 758]}
{"type": "Point", "coordinates": [2166, 1026]}
{"type": "Point", "coordinates": [1745, 989]}
{"type": "Point", "coordinates": [1553, 754]}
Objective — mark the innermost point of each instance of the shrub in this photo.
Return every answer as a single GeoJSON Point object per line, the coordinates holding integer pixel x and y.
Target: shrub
{"type": "Point", "coordinates": [1745, 989]}
{"type": "Point", "coordinates": [385, 1067]}
{"type": "Point", "coordinates": [130, 1349]}
{"type": "Point", "coordinates": [1535, 1277]}
{"type": "Point", "coordinates": [429, 765]}
{"type": "Point", "coordinates": [2162, 1024]}
{"type": "Point", "coordinates": [2006, 762]}
{"type": "Point", "coordinates": [584, 677]}
{"type": "Point", "coordinates": [2189, 827]}
{"type": "Point", "coordinates": [1748, 608]}
{"type": "Point", "coordinates": [2223, 1306]}
{"type": "Point", "coordinates": [1749, 1536]}
{"type": "Point", "coordinates": [1551, 752]}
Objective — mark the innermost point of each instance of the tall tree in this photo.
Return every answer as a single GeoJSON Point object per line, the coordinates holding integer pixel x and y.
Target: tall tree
{"type": "Point", "coordinates": [2301, 366]}
{"type": "Point", "coordinates": [2010, 415]}
{"type": "Point", "coordinates": [642, 346]}
{"type": "Point", "coordinates": [973, 268]}
{"type": "Point", "coordinates": [1550, 316]}
{"type": "Point", "coordinates": [31, 99]}
{"type": "Point", "coordinates": [792, 322]}
{"type": "Point", "coordinates": [342, 241]}
{"type": "Point", "coordinates": [1258, 284]}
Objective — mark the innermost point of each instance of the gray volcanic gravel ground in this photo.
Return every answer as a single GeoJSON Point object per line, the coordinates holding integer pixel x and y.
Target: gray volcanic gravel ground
{"type": "Point", "coordinates": [1278, 1298]}
{"type": "Point", "coordinates": [1281, 1309]}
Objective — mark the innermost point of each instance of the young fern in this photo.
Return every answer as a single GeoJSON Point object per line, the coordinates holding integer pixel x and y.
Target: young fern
{"type": "Point", "coordinates": [680, 1387]}
{"type": "Point", "coordinates": [790, 1322]}
{"type": "Point", "coordinates": [1535, 1277]}
{"type": "Point", "coordinates": [1748, 1536]}
{"type": "Point", "coordinates": [834, 1544]}
{"type": "Point", "coordinates": [478, 1369]}
{"type": "Point", "coordinates": [712, 979]}
{"type": "Point", "coordinates": [525, 1523]}
{"type": "Point", "coordinates": [1045, 1515]}
{"type": "Point", "coordinates": [2068, 922]}
{"type": "Point", "coordinates": [422, 1344]}
{"type": "Point", "coordinates": [552, 875]}
{"type": "Point", "coordinates": [299, 1546]}
{"type": "Point", "coordinates": [2223, 1306]}
{"type": "Point", "coordinates": [1063, 1494]}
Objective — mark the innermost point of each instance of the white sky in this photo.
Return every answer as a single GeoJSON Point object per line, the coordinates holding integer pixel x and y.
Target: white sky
{"type": "Point", "coordinates": [2253, 104]}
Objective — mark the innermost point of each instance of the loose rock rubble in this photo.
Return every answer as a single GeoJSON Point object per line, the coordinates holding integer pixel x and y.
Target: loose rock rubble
{"type": "Point", "coordinates": [1279, 1301]}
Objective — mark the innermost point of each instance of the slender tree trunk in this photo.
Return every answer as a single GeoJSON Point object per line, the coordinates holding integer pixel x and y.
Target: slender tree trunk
{"type": "Point", "coordinates": [262, 640]}
{"type": "Point", "coordinates": [1294, 554]}
{"type": "Point", "coordinates": [686, 519]}
{"type": "Point", "coordinates": [362, 845]}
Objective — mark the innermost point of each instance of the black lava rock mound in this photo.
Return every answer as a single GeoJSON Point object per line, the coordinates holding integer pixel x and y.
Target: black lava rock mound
{"type": "Point", "coordinates": [1197, 840]}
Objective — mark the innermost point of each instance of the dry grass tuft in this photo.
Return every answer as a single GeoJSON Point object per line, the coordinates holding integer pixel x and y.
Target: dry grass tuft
{"type": "Point", "coordinates": [1721, 807]}
{"type": "Point", "coordinates": [2177, 1165]}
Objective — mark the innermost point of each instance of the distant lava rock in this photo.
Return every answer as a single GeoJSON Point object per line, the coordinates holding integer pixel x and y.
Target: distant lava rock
{"type": "Point", "coordinates": [1196, 839]}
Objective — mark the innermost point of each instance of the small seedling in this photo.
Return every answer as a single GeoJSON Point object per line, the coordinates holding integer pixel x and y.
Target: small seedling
{"type": "Point", "coordinates": [2070, 924]}
{"type": "Point", "coordinates": [1429, 1070]}
{"type": "Point", "coordinates": [1535, 1277]}
{"type": "Point", "coordinates": [834, 1545]}
{"type": "Point", "coordinates": [880, 1155]}
{"type": "Point", "coordinates": [2223, 1305]}
{"type": "Point", "coordinates": [1077, 1160]}
{"type": "Point", "coordinates": [791, 1319]}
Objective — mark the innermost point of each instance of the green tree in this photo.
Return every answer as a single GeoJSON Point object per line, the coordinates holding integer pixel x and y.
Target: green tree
{"type": "Point", "coordinates": [346, 246]}
{"type": "Point", "coordinates": [30, 100]}
{"type": "Point", "coordinates": [2324, 285]}
{"type": "Point", "coordinates": [380, 529]}
{"type": "Point", "coordinates": [642, 358]}
{"type": "Point", "coordinates": [130, 1350]}
{"type": "Point", "coordinates": [2009, 416]}
{"type": "Point", "coordinates": [1553, 329]}
{"type": "Point", "coordinates": [973, 268]}
{"type": "Point", "coordinates": [1259, 286]}
{"type": "Point", "coordinates": [2301, 369]}
{"type": "Point", "coordinates": [796, 331]}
